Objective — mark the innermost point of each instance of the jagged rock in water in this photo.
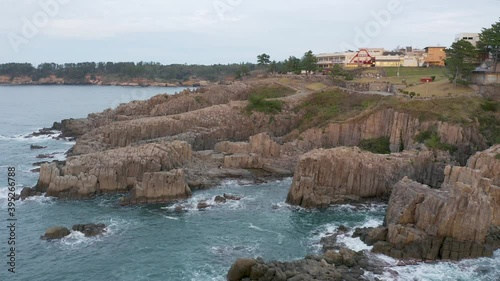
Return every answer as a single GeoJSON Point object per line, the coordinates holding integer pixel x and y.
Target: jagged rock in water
{"type": "Point", "coordinates": [342, 265]}
{"type": "Point", "coordinates": [202, 205]}
{"type": "Point", "coordinates": [33, 147]}
{"type": "Point", "coordinates": [219, 199]}
{"type": "Point", "coordinates": [460, 220]}
{"type": "Point", "coordinates": [56, 232]}
{"type": "Point", "coordinates": [323, 177]}
{"type": "Point", "coordinates": [90, 230]}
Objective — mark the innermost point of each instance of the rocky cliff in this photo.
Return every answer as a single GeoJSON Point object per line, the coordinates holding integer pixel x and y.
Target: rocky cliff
{"type": "Point", "coordinates": [213, 122]}
{"type": "Point", "coordinates": [162, 105]}
{"type": "Point", "coordinates": [460, 220]}
{"type": "Point", "coordinates": [201, 128]}
{"type": "Point", "coordinates": [324, 177]}
{"type": "Point", "coordinates": [401, 128]}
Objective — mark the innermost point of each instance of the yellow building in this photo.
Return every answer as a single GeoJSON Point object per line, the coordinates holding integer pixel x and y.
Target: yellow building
{"type": "Point", "coordinates": [435, 56]}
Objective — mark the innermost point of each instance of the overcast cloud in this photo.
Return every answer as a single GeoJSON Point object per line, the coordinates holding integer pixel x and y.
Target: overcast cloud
{"type": "Point", "coordinates": [225, 31]}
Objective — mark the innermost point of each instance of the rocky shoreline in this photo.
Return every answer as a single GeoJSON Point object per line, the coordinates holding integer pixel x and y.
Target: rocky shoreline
{"type": "Point", "coordinates": [137, 82]}
{"type": "Point", "coordinates": [443, 203]}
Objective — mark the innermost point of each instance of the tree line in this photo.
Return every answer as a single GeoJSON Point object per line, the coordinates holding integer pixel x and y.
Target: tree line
{"type": "Point", "coordinates": [78, 72]}
{"type": "Point", "coordinates": [308, 63]}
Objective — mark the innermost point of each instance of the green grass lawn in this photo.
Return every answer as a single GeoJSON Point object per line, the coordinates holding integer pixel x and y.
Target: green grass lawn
{"type": "Point", "coordinates": [415, 71]}
{"type": "Point", "coordinates": [411, 75]}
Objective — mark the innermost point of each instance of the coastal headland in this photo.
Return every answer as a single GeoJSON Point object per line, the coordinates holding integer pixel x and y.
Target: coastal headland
{"type": "Point", "coordinates": [435, 161]}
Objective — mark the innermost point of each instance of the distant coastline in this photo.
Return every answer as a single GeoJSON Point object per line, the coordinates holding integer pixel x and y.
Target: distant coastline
{"type": "Point", "coordinates": [135, 82]}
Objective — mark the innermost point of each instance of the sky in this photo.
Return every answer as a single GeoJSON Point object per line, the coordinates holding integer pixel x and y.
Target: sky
{"type": "Point", "coordinates": [226, 31]}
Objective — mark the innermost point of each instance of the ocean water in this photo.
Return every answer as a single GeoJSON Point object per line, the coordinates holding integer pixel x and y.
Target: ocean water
{"type": "Point", "coordinates": [154, 242]}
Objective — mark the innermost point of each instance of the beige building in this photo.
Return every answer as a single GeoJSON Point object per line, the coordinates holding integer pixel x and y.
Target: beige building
{"type": "Point", "coordinates": [389, 61]}
{"type": "Point", "coordinates": [327, 60]}
{"type": "Point", "coordinates": [414, 58]}
{"type": "Point", "coordinates": [473, 38]}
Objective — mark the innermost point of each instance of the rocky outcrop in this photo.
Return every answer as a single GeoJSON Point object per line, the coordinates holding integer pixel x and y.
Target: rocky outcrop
{"type": "Point", "coordinates": [73, 128]}
{"type": "Point", "coordinates": [201, 128]}
{"type": "Point", "coordinates": [33, 147]}
{"type": "Point", "coordinates": [460, 220]}
{"type": "Point", "coordinates": [56, 232]}
{"type": "Point", "coordinates": [488, 162]}
{"type": "Point", "coordinates": [162, 105]}
{"type": "Point", "coordinates": [401, 128]}
{"type": "Point", "coordinates": [251, 155]}
{"type": "Point", "coordinates": [258, 160]}
{"type": "Point", "coordinates": [115, 170]}
{"type": "Point", "coordinates": [339, 265]}
{"type": "Point", "coordinates": [324, 177]}
{"type": "Point", "coordinates": [59, 232]}
{"type": "Point", "coordinates": [90, 230]}
{"type": "Point", "coordinates": [159, 187]}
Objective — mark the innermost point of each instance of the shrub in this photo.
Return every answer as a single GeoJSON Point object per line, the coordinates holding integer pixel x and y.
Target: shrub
{"type": "Point", "coordinates": [433, 78]}
{"type": "Point", "coordinates": [378, 145]}
{"type": "Point", "coordinates": [260, 104]}
{"type": "Point", "coordinates": [423, 136]}
{"type": "Point", "coordinates": [489, 106]}
{"type": "Point", "coordinates": [497, 156]}
{"type": "Point", "coordinates": [432, 140]}
{"type": "Point", "coordinates": [349, 77]}
{"type": "Point", "coordinates": [272, 91]}
{"type": "Point", "coordinates": [490, 126]}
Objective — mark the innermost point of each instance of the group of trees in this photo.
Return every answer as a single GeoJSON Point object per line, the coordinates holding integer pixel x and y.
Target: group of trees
{"type": "Point", "coordinates": [78, 72]}
{"type": "Point", "coordinates": [308, 63]}
{"type": "Point", "coordinates": [463, 57]}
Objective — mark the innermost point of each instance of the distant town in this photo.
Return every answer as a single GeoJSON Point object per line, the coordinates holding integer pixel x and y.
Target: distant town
{"type": "Point", "coordinates": [379, 57]}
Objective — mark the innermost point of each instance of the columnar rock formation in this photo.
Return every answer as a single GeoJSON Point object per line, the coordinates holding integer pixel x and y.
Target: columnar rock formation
{"type": "Point", "coordinates": [116, 170]}
{"type": "Point", "coordinates": [159, 187]}
{"type": "Point", "coordinates": [460, 220]}
{"type": "Point", "coordinates": [323, 177]}
{"type": "Point", "coordinates": [160, 105]}
{"type": "Point", "coordinates": [485, 162]}
{"type": "Point", "coordinates": [249, 155]}
{"type": "Point", "coordinates": [401, 128]}
{"type": "Point", "coordinates": [202, 128]}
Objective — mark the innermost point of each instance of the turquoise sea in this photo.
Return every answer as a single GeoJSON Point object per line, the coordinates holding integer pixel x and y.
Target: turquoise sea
{"type": "Point", "coordinates": [154, 242]}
